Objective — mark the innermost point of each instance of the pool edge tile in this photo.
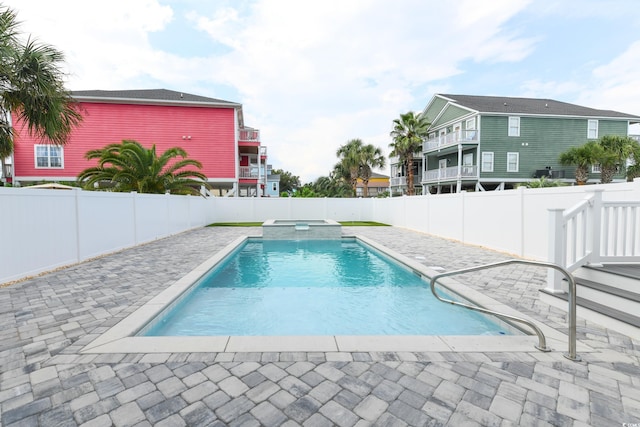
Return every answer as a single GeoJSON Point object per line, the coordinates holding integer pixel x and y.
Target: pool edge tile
{"type": "Point", "coordinates": [281, 343]}
{"type": "Point", "coordinates": [211, 344]}
{"type": "Point", "coordinates": [356, 343]}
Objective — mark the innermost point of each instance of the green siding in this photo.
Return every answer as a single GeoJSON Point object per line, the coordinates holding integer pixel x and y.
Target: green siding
{"type": "Point", "coordinates": [435, 108]}
{"type": "Point", "coordinates": [433, 161]}
{"type": "Point", "coordinates": [450, 114]}
{"type": "Point", "coordinates": [540, 143]}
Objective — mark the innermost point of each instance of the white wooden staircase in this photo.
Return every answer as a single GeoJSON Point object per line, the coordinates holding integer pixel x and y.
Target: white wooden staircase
{"type": "Point", "coordinates": [599, 242]}
{"type": "Point", "coordinates": [607, 295]}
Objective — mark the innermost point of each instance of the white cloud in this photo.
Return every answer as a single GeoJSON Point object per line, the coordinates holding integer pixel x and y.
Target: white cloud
{"type": "Point", "coordinates": [318, 69]}
{"type": "Point", "coordinates": [311, 75]}
{"type": "Point", "coordinates": [105, 43]}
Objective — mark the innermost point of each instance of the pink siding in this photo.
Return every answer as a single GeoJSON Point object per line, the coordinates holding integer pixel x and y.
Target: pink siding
{"type": "Point", "coordinates": [212, 132]}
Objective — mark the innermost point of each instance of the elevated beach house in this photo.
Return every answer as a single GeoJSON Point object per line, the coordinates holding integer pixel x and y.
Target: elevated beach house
{"type": "Point", "coordinates": [212, 131]}
{"type": "Point", "coordinates": [479, 143]}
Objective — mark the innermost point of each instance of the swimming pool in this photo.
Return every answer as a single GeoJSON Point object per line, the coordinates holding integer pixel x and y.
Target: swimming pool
{"type": "Point", "coordinates": [313, 287]}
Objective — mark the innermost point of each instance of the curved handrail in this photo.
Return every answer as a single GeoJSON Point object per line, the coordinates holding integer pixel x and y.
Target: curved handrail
{"type": "Point", "coordinates": [542, 344]}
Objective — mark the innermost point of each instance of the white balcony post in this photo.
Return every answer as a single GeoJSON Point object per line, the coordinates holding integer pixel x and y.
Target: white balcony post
{"type": "Point", "coordinates": [557, 250]}
{"type": "Point", "coordinates": [459, 177]}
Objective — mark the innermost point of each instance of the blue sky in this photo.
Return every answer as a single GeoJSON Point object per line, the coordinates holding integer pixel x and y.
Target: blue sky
{"type": "Point", "coordinates": [312, 75]}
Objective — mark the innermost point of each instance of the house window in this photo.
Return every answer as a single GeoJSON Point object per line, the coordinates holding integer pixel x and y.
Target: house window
{"type": "Point", "coordinates": [470, 124]}
{"type": "Point", "coordinates": [592, 129]}
{"type": "Point", "coordinates": [596, 168]}
{"type": "Point", "coordinates": [514, 126]}
{"type": "Point", "coordinates": [49, 156]}
{"type": "Point", "coordinates": [513, 160]}
{"type": "Point", "coordinates": [487, 161]}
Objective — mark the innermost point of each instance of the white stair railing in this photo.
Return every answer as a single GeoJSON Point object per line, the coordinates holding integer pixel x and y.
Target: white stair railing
{"type": "Point", "coordinates": [592, 232]}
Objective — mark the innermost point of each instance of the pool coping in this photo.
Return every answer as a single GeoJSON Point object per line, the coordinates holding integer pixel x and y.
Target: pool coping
{"type": "Point", "coordinates": [120, 339]}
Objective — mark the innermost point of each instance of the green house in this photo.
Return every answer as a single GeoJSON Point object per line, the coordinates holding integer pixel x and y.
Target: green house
{"type": "Point", "coordinates": [479, 143]}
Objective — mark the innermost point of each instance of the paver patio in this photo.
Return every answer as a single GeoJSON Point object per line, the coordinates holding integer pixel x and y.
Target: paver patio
{"type": "Point", "coordinates": [46, 381]}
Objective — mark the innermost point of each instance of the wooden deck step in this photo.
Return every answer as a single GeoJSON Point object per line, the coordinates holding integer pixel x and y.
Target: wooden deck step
{"type": "Point", "coordinates": [601, 309]}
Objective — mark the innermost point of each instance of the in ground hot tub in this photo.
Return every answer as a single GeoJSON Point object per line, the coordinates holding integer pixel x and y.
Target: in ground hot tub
{"type": "Point", "coordinates": [287, 229]}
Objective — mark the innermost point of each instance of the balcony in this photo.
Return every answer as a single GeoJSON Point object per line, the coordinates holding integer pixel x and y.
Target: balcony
{"type": "Point", "coordinates": [249, 172]}
{"type": "Point", "coordinates": [450, 174]}
{"type": "Point", "coordinates": [248, 135]}
{"type": "Point", "coordinates": [451, 139]}
{"type": "Point", "coordinates": [401, 181]}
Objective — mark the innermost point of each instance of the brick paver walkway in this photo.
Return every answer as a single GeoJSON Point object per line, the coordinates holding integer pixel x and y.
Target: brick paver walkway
{"type": "Point", "coordinates": [45, 381]}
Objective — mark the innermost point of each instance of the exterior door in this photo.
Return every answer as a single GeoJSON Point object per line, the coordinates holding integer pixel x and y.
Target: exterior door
{"type": "Point", "coordinates": [457, 130]}
{"type": "Point", "coordinates": [467, 164]}
{"type": "Point", "coordinates": [442, 166]}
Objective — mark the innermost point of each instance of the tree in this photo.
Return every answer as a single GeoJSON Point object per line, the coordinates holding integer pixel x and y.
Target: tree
{"type": "Point", "coordinates": [332, 186]}
{"type": "Point", "coordinates": [633, 170]}
{"type": "Point", "coordinates": [370, 157]}
{"type": "Point", "coordinates": [582, 157]}
{"type": "Point", "coordinates": [32, 87]}
{"type": "Point", "coordinates": [357, 160]}
{"type": "Point", "coordinates": [288, 181]}
{"type": "Point", "coordinates": [131, 167]}
{"type": "Point", "coordinates": [544, 182]}
{"type": "Point", "coordinates": [408, 133]}
{"type": "Point", "coordinates": [617, 149]}
{"type": "Point", "coordinates": [350, 162]}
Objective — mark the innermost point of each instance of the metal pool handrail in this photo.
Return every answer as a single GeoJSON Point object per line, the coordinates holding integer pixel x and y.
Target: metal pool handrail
{"type": "Point", "coordinates": [542, 344]}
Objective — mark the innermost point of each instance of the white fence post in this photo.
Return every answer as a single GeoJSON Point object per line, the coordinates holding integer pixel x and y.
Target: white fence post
{"type": "Point", "coordinates": [594, 230]}
{"type": "Point", "coordinates": [557, 250]}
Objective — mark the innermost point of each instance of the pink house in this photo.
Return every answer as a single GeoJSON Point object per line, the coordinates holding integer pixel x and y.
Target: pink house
{"type": "Point", "coordinates": [212, 131]}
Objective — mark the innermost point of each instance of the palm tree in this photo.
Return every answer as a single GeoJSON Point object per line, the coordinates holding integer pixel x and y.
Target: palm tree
{"type": "Point", "coordinates": [408, 133]}
{"type": "Point", "coordinates": [370, 157]}
{"type": "Point", "coordinates": [131, 167]}
{"type": "Point", "coordinates": [350, 162]}
{"type": "Point", "coordinates": [633, 170]}
{"type": "Point", "coordinates": [582, 157]}
{"type": "Point", "coordinates": [617, 149]}
{"type": "Point", "coordinates": [32, 87]}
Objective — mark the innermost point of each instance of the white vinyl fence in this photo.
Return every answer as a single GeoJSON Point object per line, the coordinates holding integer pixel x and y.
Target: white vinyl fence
{"type": "Point", "coordinates": [44, 229]}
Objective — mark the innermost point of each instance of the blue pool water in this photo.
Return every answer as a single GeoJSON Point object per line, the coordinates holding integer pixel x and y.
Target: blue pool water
{"type": "Point", "coordinates": [314, 287]}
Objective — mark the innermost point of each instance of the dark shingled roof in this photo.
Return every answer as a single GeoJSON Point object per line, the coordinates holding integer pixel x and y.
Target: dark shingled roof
{"type": "Point", "coordinates": [155, 95]}
{"type": "Point", "coordinates": [502, 104]}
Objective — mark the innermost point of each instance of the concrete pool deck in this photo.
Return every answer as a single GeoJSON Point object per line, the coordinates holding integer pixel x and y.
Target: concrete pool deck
{"type": "Point", "coordinates": [46, 379]}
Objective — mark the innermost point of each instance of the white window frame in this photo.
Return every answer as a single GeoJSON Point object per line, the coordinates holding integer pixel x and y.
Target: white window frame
{"type": "Point", "coordinates": [514, 126]}
{"type": "Point", "coordinates": [470, 124]}
{"type": "Point", "coordinates": [517, 162]}
{"type": "Point", "coordinates": [486, 155]}
{"type": "Point", "coordinates": [467, 164]}
{"type": "Point", "coordinates": [595, 168]}
{"type": "Point", "coordinates": [592, 129]}
{"type": "Point", "coordinates": [48, 156]}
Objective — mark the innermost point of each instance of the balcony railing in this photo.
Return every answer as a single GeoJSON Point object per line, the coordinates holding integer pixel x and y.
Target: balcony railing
{"type": "Point", "coordinates": [402, 180]}
{"type": "Point", "coordinates": [593, 232]}
{"type": "Point", "coordinates": [249, 135]}
{"type": "Point", "coordinates": [450, 173]}
{"type": "Point", "coordinates": [251, 172]}
{"type": "Point", "coordinates": [450, 139]}
{"type": "Point", "coordinates": [398, 181]}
